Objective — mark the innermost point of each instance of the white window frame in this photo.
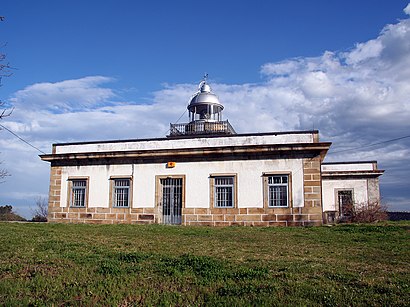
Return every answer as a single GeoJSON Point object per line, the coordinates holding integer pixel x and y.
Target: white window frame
{"type": "Point", "coordinates": [117, 197]}
{"type": "Point", "coordinates": [75, 189]}
{"type": "Point", "coordinates": [272, 186]}
{"type": "Point", "coordinates": [217, 190]}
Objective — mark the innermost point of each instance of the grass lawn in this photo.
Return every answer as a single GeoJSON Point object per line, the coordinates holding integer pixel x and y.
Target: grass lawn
{"type": "Point", "coordinates": [45, 264]}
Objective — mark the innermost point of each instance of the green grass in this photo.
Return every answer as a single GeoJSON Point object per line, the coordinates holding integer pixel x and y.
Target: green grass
{"type": "Point", "coordinates": [45, 264]}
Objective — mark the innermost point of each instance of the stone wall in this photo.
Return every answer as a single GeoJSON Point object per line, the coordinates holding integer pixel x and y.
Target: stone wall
{"type": "Point", "coordinates": [54, 192]}
{"type": "Point", "coordinates": [373, 191]}
{"type": "Point", "coordinates": [191, 216]}
{"type": "Point", "coordinates": [99, 215]}
{"type": "Point", "coordinates": [312, 185]}
{"type": "Point", "coordinates": [251, 217]}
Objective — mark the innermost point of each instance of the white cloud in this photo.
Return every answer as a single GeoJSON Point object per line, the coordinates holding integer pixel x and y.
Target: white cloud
{"type": "Point", "coordinates": [364, 51]}
{"type": "Point", "coordinates": [281, 68]}
{"type": "Point", "coordinates": [64, 96]}
{"type": "Point", "coordinates": [354, 98]}
{"type": "Point", "coordinates": [407, 9]}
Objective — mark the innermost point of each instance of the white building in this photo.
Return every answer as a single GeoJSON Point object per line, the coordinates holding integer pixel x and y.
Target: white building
{"type": "Point", "coordinates": [204, 173]}
{"type": "Point", "coordinates": [348, 183]}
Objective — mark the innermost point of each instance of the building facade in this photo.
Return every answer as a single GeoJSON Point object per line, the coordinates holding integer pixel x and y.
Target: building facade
{"type": "Point", "coordinates": [346, 184]}
{"type": "Point", "coordinates": [204, 173]}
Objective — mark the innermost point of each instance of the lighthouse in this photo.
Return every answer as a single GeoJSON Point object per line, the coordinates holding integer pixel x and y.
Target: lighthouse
{"type": "Point", "coordinates": [205, 115]}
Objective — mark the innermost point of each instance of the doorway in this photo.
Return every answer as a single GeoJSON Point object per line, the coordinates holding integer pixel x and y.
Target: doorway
{"type": "Point", "coordinates": [345, 200]}
{"type": "Point", "coordinates": [171, 200]}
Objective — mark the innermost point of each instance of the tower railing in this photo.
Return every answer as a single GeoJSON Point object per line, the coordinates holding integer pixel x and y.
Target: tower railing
{"type": "Point", "coordinates": [201, 128]}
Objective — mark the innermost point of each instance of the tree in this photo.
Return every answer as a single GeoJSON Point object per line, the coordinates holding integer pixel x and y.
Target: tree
{"type": "Point", "coordinates": [3, 173]}
{"type": "Point", "coordinates": [5, 71]}
{"type": "Point", "coordinates": [41, 210]}
{"type": "Point", "coordinates": [7, 214]}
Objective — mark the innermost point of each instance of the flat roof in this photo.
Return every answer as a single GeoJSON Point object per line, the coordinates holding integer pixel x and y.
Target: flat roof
{"type": "Point", "coordinates": [349, 162]}
{"type": "Point", "coordinates": [203, 141]}
{"type": "Point", "coordinates": [188, 137]}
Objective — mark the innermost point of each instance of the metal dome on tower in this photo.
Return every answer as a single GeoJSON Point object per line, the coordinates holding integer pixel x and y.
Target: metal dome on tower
{"type": "Point", "coordinates": [205, 105]}
{"type": "Point", "coordinates": [205, 114]}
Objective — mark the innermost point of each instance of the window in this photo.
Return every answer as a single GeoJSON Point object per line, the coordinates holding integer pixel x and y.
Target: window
{"type": "Point", "coordinates": [78, 193]}
{"type": "Point", "coordinates": [121, 193]}
{"type": "Point", "coordinates": [224, 191]}
{"type": "Point", "coordinates": [278, 190]}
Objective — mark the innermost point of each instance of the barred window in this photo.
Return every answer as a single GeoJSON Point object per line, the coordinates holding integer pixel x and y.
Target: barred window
{"type": "Point", "coordinates": [278, 186]}
{"type": "Point", "coordinates": [224, 192]}
{"type": "Point", "coordinates": [121, 192]}
{"type": "Point", "coordinates": [78, 193]}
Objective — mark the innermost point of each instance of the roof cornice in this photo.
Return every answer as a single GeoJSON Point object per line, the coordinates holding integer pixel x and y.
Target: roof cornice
{"type": "Point", "coordinates": [351, 174]}
{"type": "Point", "coordinates": [246, 152]}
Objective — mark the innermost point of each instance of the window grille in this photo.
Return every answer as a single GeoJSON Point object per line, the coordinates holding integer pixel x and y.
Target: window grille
{"type": "Point", "coordinates": [278, 187]}
{"type": "Point", "coordinates": [121, 192]}
{"type": "Point", "coordinates": [224, 192]}
{"type": "Point", "coordinates": [78, 193]}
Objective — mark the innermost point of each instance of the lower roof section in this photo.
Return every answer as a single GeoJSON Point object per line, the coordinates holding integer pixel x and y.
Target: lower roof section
{"type": "Point", "coordinates": [355, 169]}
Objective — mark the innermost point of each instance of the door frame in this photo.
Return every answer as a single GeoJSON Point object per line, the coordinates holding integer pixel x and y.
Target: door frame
{"type": "Point", "coordinates": [339, 205]}
{"type": "Point", "coordinates": [158, 195]}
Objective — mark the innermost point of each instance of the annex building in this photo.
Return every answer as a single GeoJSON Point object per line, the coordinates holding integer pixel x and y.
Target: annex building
{"type": "Point", "coordinates": [204, 173]}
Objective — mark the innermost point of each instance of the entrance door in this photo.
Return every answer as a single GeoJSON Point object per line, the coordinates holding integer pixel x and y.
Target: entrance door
{"type": "Point", "coordinates": [345, 199]}
{"type": "Point", "coordinates": [171, 200]}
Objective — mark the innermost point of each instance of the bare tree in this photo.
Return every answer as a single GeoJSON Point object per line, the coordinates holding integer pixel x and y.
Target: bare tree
{"type": "Point", "coordinates": [5, 71]}
{"type": "Point", "coordinates": [40, 212]}
{"type": "Point", "coordinates": [3, 174]}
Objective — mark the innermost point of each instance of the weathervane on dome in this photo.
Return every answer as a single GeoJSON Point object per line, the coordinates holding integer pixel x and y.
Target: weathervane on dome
{"type": "Point", "coordinates": [203, 84]}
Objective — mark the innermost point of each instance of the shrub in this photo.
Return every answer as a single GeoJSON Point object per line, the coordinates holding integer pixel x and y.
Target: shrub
{"type": "Point", "coordinates": [39, 218]}
{"type": "Point", "coordinates": [369, 212]}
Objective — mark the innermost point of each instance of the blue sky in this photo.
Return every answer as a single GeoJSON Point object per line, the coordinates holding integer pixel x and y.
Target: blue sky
{"type": "Point", "coordinates": [146, 43]}
{"type": "Point", "coordinates": [82, 67]}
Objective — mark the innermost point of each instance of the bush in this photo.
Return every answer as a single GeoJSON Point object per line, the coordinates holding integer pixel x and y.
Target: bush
{"type": "Point", "coordinates": [369, 212]}
{"type": "Point", "coordinates": [39, 218]}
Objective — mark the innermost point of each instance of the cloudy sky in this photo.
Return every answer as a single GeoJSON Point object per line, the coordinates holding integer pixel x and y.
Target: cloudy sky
{"type": "Point", "coordinates": [87, 70]}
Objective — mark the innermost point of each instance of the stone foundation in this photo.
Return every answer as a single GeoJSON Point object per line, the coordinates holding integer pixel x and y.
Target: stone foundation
{"type": "Point", "coordinates": [192, 216]}
{"type": "Point", "coordinates": [99, 215]}
{"type": "Point", "coordinates": [253, 217]}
